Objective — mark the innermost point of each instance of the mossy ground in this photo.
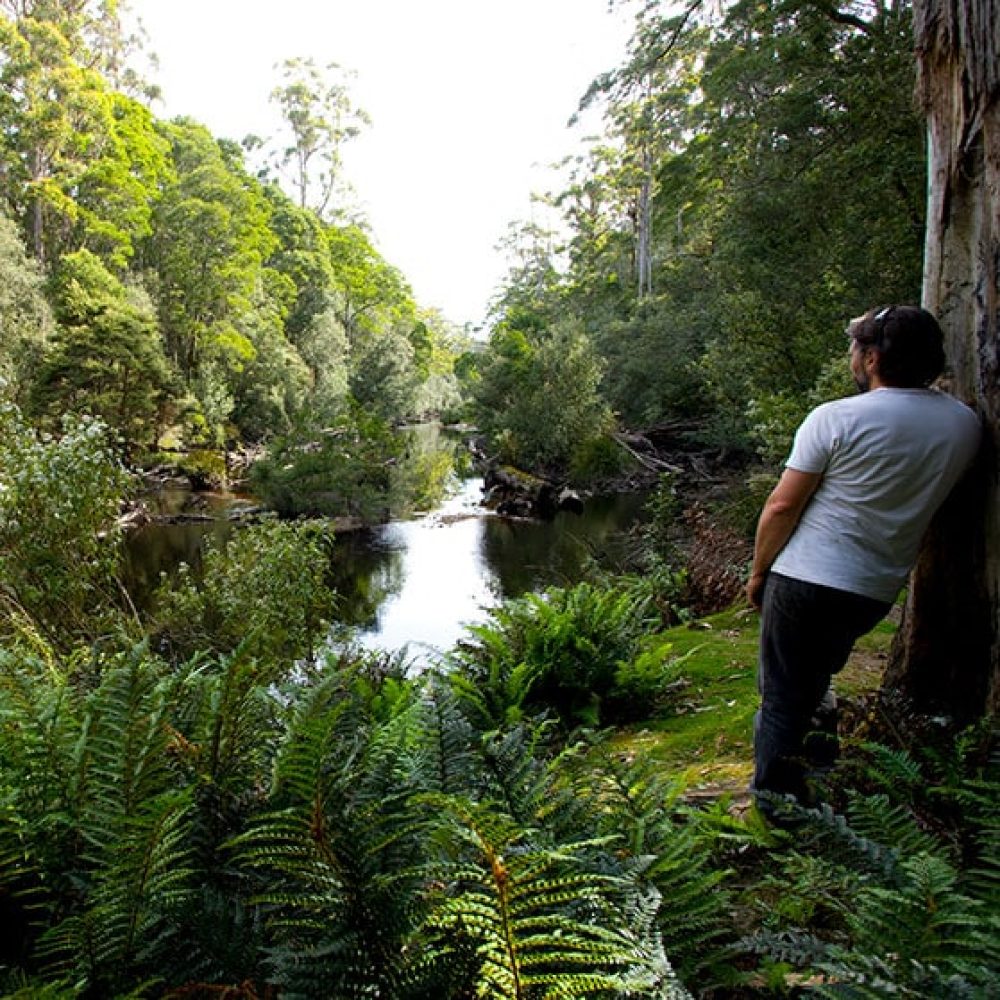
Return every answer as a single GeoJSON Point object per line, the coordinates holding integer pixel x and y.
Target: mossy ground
{"type": "Point", "coordinates": [703, 733]}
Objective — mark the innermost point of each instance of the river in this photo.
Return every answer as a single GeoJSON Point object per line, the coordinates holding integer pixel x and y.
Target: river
{"type": "Point", "coordinates": [414, 584]}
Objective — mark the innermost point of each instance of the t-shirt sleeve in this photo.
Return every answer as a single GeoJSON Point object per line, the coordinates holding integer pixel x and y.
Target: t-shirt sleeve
{"type": "Point", "coordinates": [814, 443]}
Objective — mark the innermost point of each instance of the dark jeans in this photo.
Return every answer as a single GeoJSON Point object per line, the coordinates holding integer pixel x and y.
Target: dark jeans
{"type": "Point", "coordinates": [806, 634]}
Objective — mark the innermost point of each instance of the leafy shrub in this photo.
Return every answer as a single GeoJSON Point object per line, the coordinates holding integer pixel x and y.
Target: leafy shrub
{"type": "Point", "coordinates": [539, 400]}
{"type": "Point", "coordinates": [266, 588]}
{"type": "Point", "coordinates": [59, 501]}
{"type": "Point", "coordinates": [597, 457]}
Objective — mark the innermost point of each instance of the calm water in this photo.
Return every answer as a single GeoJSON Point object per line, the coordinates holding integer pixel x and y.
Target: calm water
{"type": "Point", "coordinates": [418, 583]}
{"type": "Point", "coordinates": [415, 583]}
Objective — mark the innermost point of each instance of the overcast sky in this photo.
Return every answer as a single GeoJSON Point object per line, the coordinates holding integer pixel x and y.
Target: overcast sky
{"type": "Point", "coordinates": [469, 101]}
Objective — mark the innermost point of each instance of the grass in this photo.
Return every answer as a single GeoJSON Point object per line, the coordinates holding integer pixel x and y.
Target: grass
{"type": "Point", "coordinates": [704, 733]}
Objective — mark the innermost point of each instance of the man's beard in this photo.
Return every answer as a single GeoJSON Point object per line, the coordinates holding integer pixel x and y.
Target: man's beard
{"type": "Point", "coordinates": [862, 382]}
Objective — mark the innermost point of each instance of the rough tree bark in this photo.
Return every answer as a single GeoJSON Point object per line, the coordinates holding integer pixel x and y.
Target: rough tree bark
{"type": "Point", "coordinates": [947, 653]}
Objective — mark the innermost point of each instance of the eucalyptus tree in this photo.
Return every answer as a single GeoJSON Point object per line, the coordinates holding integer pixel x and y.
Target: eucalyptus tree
{"type": "Point", "coordinates": [318, 110]}
{"type": "Point", "coordinates": [211, 239]}
{"type": "Point", "coordinates": [947, 657]}
{"type": "Point", "coordinates": [54, 114]}
{"type": "Point", "coordinates": [82, 163]}
{"type": "Point", "coordinates": [649, 107]}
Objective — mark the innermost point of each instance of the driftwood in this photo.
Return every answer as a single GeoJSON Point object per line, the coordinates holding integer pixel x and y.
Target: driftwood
{"type": "Point", "coordinates": [650, 462]}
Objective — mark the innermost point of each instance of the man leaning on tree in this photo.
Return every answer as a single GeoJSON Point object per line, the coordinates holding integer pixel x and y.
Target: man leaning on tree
{"type": "Point", "coordinates": [840, 532]}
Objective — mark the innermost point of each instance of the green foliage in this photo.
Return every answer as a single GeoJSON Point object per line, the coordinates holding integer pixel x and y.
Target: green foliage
{"type": "Point", "coordinates": [264, 590]}
{"type": "Point", "coordinates": [712, 253]}
{"type": "Point", "coordinates": [59, 502]}
{"type": "Point", "coordinates": [634, 800]}
{"type": "Point", "coordinates": [337, 846]}
{"type": "Point", "coordinates": [26, 321]}
{"type": "Point", "coordinates": [426, 469]}
{"type": "Point", "coordinates": [775, 418]}
{"type": "Point", "coordinates": [539, 400]}
{"type": "Point", "coordinates": [903, 917]}
{"type": "Point", "coordinates": [210, 240]}
{"type": "Point", "coordinates": [103, 830]}
{"type": "Point", "coordinates": [562, 650]}
{"type": "Point", "coordinates": [541, 923]}
{"type": "Point", "coordinates": [106, 359]}
{"type": "Point", "coordinates": [343, 468]}
{"type": "Point", "coordinates": [598, 458]}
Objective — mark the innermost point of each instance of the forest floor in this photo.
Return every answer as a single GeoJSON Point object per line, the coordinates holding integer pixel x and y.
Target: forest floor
{"type": "Point", "coordinates": [702, 733]}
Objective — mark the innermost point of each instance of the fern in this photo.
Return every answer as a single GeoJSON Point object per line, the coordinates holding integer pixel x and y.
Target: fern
{"type": "Point", "coordinates": [633, 801]}
{"type": "Point", "coordinates": [559, 650]}
{"type": "Point", "coordinates": [895, 826]}
{"type": "Point", "coordinates": [893, 769]}
{"type": "Point", "coordinates": [519, 772]}
{"type": "Point", "coordinates": [446, 743]}
{"type": "Point", "coordinates": [336, 856]}
{"type": "Point", "coordinates": [130, 905]}
{"type": "Point", "coordinates": [543, 925]}
{"type": "Point", "coordinates": [912, 923]}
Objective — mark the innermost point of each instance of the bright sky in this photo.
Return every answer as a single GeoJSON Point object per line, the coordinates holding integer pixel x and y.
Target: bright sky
{"type": "Point", "coordinates": [469, 101]}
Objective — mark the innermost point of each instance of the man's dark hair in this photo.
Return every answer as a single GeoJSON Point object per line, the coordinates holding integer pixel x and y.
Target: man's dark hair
{"type": "Point", "coordinates": [909, 341]}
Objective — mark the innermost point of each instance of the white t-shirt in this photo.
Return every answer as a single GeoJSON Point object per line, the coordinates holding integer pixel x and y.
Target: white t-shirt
{"type": "Point", "coordinates": [888, 459]}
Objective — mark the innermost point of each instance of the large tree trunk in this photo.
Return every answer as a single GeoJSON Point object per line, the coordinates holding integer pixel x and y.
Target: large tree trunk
{"type": "Point", "coordinates": [947, 653]}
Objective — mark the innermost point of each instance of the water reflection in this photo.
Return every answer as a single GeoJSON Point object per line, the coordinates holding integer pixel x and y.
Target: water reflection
{"type": "Point", "coordinates": [416, 584]}
{"type": "Point", "coordinates": [423, 581]}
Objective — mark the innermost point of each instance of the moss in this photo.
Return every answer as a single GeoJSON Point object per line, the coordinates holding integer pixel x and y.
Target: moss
{"type": "Point", "coordinates": [704, 731]}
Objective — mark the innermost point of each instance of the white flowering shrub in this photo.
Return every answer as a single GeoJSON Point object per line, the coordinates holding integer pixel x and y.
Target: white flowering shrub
{"type": "Point", "coordinates": [59, 540]}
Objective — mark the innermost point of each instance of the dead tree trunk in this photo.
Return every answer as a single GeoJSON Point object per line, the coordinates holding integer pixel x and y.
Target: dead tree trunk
{"type": "Point", "coordinates": [947, 654]}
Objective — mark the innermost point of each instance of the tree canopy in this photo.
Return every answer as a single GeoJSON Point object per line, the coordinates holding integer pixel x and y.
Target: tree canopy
{"type": "Point", "coordinates": [220, 309]}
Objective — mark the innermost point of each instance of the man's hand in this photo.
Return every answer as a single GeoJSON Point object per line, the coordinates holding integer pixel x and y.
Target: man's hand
{"type": "Point", "coordinates": [755, 589]}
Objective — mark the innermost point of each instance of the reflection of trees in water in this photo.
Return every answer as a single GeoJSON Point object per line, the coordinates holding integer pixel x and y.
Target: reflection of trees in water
{"type": "Point", "coordinates": [160, 548]}
{"type": "Point", "coordinates": [532, 555]}
{"type": "Point", "coordinates": [364, 575]}
{"type": "Point", "coordinates": [431, 459]}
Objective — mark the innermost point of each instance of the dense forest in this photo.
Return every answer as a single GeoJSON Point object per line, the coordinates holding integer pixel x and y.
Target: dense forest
{"type": "Point", "coordinates": [202, 798]}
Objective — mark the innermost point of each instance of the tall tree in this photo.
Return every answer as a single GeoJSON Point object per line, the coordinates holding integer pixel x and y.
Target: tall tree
{"type": "Point", "coordinates": [210, 242]}
{"type": "Point", "coordinates": [947, 655]}
{"type": "Point", "coordinates": [54, 116]}
{"type": "Point", "coordinates": [321, 116]}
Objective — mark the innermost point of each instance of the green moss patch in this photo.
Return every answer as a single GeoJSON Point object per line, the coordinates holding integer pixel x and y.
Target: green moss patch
{"type": "Point", "coordinates": [703, 730]}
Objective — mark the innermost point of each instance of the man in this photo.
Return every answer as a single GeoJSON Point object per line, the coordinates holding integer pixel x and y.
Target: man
{"type": "Point", "coordinates": [840, 532]}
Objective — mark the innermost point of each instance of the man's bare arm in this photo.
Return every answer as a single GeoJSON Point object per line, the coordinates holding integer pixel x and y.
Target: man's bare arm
{"type": "Point", "coordinates": [778, 519]}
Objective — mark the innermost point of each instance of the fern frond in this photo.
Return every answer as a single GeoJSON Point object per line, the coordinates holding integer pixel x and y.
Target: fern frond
{"type": "Point", "coordinates": [336, 859]}
{"type": "Point", "coordinates": [542, 923]}
{"type": "Point", "coordinates": [838, 831]}
{"type": "Point", "coordinates": [632, 800]}
{"type": "Point", "coordinates": [120, 757]}
{"type": "Point", "coordinates": [447, 742]}
{"type": "Point", "coordinates": [133, 900]}
{"type": "Point", "coordinates": [894, 769]}
{"type": "Point", "coordinates": [874, 817]}
{"type": "Point", "coordinates": [927, 918]}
